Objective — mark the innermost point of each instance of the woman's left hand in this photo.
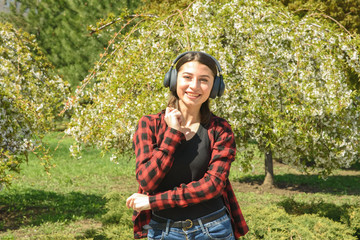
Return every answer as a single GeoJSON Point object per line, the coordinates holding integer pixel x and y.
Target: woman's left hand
{"type": "Point", "coordinates": [138, 202]}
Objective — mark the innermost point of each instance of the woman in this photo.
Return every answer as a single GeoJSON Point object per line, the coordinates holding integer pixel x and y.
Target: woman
{"type": "Point", "coordinates": [183, 158]}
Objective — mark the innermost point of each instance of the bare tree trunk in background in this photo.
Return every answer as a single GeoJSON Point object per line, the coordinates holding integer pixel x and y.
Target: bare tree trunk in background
{"type": "Point", "coordinates": [269, 171]}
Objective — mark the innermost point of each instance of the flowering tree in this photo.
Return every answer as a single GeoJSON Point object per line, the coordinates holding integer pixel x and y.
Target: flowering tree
{"type": "Point", "coordinates": [30, 96]}
{"type": "Point", "coordinates": [286, 82]}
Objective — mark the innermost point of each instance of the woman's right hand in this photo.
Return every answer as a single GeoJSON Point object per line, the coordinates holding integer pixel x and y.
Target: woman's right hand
{"type": "Point", "coordinates": [173, 118]}
{"type": "Point", "coordinates": [138, 202]}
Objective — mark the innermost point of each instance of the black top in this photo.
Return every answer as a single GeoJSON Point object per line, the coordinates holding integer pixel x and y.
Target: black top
{"type": "Point", "coordinates": [191, 160]}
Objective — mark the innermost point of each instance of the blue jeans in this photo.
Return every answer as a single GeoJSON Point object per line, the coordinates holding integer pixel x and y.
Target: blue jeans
{"type": "Point", "coordinates": [219, 229]}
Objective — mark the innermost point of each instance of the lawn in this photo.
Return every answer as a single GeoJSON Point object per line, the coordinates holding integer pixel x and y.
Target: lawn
{"type": "Point", "coordinates": [84, 199]}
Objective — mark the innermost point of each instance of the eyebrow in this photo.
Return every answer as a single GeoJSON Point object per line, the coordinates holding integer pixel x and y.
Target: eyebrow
{"type": "Point", "coordinates": [200, 75]}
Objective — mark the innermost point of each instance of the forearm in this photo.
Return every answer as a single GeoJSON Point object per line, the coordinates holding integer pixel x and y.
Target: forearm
{"type": "Point", "coordinates": [209, 187]}
{"type": "Point", "coordinates": [154, 162]}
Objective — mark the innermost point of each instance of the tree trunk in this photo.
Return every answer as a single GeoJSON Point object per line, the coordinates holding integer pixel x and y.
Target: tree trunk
{"type": "Point", "coordinates": [269, 171]}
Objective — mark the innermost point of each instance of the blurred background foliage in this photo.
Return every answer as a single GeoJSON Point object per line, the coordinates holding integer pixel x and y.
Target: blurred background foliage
{"type": "Point", "coordinates": [61, 30]}
{"type": "Point", "coordinates": [347, 12]}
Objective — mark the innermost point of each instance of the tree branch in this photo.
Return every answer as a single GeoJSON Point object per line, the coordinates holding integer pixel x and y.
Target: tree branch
{"type": "Point", "coordinates": [119, 19]}
{"type": "Point", "coordinates": [334, 20]}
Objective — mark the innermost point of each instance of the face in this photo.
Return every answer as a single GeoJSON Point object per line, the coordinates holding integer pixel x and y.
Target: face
{"type": "Point", "coordinates": [194, 84]}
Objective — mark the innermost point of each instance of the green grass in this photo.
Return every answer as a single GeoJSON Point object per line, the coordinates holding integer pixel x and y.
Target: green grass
{"type": "Point", "coordinates": [89, 174]}
{"type": "Point", "coordinates": [85, 198]}
{"type": "Point", "coordinates": [68, 200]}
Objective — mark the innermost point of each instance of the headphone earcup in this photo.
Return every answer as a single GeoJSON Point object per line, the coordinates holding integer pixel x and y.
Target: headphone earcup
{"type": "Point", "coordinates": [173, 79]}
{"type": "Point", "coordinates": [215, 88]}
{"type": "Point", "coordinates": [167, 78]}
{"type": "Point", "coordinates": [170, 79]}
{"type": "Point", "coordinates": [218, 87]}
{"type": "Point", "coordinates": [222, 87]}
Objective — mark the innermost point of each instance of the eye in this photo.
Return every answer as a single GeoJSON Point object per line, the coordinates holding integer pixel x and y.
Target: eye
{"type": "Point", "coordinates": [204, 80]}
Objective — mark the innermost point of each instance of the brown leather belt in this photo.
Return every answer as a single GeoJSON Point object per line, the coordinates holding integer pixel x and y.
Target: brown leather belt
{"type": "Point", "coordinates": [185, 225]}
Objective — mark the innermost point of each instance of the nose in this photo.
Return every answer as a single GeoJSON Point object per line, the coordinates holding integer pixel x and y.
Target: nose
{"type": "Point", "coordinates": [194, 83]}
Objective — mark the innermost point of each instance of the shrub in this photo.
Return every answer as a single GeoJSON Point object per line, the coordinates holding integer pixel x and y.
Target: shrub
{"type": "Point", "coordinates": [346, 214]}
{"type": "Point", "coordinates": [354, 219]}
{"type": "Point", "coordinates": [316, 206]}
{"type": "Point", "coordinates": [117, 222]}
{"type": "Point", "coordinates": [274, 223]}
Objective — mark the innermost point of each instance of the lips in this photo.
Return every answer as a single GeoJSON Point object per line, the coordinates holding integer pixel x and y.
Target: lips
{"type": "Point", "coordinates": [192, 95]}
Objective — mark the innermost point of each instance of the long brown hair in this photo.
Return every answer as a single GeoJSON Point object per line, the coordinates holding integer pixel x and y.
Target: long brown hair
{"type": "Point", "coordinates": [205, 112]}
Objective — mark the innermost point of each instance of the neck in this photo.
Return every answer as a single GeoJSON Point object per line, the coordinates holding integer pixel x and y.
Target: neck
{"type": "Point", "coordinates": [190, 115]}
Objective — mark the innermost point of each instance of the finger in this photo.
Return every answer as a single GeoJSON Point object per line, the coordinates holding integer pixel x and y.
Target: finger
{"type": "Point", "coordinates": [128, 202]}
{"type": "Point", "coordinates": [180, 119]}
{"type": "Point", "coordinates": [137, 207]}
{"type": "Point", "coordinates": [176, 113]}
{"type": "Point", "coordinates": [171, 110]}
{"type": "Point", "coordinates": [132, 203]}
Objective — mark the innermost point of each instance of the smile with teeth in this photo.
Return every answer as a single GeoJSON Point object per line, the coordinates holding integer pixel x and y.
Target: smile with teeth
{"type": "Point", "coordinates": [192, 94]}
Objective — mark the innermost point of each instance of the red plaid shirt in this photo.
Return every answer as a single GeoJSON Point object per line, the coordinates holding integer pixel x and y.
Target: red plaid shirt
{"type": "Point", "coordinates": [155, 144]}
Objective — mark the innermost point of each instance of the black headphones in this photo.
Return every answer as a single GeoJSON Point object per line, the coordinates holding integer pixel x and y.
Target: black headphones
{"type": "Point", "coordinates": [171, 77]}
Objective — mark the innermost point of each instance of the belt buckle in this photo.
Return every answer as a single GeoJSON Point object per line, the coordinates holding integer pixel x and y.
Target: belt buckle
{"type": "Point", "coordinates": [191, 225]}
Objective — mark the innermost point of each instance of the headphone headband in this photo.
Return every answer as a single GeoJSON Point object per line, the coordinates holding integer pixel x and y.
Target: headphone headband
{"type": "Point", "coordinates": [214, 59]}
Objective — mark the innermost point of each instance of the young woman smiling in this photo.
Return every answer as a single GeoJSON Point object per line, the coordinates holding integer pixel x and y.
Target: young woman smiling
{"type": "Point", "coordinates": [183, 158]}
